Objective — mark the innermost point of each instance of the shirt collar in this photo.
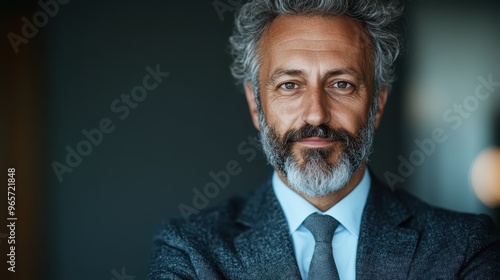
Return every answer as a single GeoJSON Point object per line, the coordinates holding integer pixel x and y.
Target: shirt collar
{"type": "Point", "coordinates": [347, 211]}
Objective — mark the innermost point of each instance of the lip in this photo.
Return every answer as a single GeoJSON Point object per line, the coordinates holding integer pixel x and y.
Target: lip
{"type": "Point", "coordinates": [315, 142]}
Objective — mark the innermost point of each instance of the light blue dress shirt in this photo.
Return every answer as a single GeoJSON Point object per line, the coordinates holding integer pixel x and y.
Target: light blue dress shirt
{"type": "Point", "coordinates": [347, 211]}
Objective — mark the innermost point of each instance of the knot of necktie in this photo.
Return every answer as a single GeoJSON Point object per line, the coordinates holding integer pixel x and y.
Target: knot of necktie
{"type": "Point", "coordinates": [322, 227]}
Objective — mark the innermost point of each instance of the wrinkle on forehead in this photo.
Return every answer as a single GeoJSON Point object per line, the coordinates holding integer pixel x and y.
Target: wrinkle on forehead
{"type": "Point", "coordinates": [326, 40]}
{"type": "Point", "coordinates": [316, 45]}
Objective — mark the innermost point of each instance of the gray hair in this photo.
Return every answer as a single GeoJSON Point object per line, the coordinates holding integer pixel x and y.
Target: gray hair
{"type": "Point", "coordinates": [255, 17]}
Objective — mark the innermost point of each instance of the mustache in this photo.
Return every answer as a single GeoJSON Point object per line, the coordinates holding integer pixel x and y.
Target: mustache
{"type": "Point", "coordinates": [321, 131]}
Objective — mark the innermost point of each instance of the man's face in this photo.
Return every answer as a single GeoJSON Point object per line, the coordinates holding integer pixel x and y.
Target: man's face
{"type": "Point", "coordinates": [316, 91]}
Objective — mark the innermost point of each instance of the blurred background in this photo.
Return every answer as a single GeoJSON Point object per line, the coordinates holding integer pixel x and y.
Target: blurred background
{"type": "Point", "coordinates": [66, 70]}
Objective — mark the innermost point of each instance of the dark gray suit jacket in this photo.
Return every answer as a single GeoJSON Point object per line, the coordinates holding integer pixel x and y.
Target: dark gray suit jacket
{"type": "Point", "coordinates": [401, 238]}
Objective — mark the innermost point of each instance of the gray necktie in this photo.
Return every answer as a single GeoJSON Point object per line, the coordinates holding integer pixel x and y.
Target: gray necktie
{"type": "Point", "coordinates": [322, 264]}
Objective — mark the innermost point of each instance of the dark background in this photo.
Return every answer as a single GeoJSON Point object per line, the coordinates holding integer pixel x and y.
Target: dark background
{"type": "Point", "coordinates": [103, 215]}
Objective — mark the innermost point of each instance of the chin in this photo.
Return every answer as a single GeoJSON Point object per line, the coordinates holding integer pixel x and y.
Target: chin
{"type": "Point", "coordinates": [316, 177]}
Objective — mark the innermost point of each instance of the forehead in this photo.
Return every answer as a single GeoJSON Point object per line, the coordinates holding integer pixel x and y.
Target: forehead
{"type": "Point", "coordinates": [323, 40]}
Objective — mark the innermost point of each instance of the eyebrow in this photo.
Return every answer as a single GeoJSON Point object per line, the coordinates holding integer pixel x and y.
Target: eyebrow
{"type": "Point", "coordinates": [285, 72]}
{"type": "Point", "coordinates": [300, 73]}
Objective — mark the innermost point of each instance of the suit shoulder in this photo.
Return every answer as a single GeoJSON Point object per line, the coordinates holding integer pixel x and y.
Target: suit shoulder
{"type": "Point", "coordinates": [467, 244]}
{"type": "Point", "coordinates": [207, 226]}
{"type": "Point", "coordinates": [200, 246]}
{"type": "Point", "coordinates": [452, 223]}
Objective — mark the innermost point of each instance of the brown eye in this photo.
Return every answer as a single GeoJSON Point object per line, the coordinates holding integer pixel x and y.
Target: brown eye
{"type": "Point", "coordinates": [289, 85]}
{"type": "Point", "coordinates": [342, 85]}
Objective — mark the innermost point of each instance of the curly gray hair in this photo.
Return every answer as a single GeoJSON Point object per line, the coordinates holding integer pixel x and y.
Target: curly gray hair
{"type": "Point", "coordinates": [255, 17]}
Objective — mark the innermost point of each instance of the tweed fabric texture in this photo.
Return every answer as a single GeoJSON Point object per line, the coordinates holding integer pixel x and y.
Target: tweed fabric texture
{"type": "Point", "coordinates": [401, 237]}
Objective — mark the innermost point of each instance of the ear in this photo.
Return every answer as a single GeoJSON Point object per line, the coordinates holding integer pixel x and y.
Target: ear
{"type": "Point", "coordinates": [254, 113]}
{"type": "Point", "coordinates": [382, 100]}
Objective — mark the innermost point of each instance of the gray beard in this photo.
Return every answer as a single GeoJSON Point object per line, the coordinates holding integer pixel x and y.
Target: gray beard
{"type": "Point", "coordinates": [315, 177]}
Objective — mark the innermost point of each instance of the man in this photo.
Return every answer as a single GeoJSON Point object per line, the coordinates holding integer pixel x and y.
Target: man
{"type": "Point", "coordinates": [317, 76]}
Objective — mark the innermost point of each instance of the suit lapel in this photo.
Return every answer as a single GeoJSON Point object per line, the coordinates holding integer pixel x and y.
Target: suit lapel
{"type": "Point", "coordinates": [385, 247]}
{"type": "Point", "coordinates": [265, 248]}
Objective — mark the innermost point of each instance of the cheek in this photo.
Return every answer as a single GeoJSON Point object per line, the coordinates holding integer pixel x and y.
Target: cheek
{"type": "Point", "coordinates": [282, 114]}
{"type": "Point", "coordinates": [350, 115]}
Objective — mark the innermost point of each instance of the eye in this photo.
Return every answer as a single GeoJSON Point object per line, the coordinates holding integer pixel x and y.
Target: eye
{"type": "Point", "coordinates": [289, 85]}
{"type": "Point", "coordinates": [342, 85]}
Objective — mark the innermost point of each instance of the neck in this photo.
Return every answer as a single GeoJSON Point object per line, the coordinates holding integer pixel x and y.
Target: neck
{"type": "Point", "coordinates": [323, 203]}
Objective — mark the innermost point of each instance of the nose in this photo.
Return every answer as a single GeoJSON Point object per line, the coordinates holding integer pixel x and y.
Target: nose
{"type": "Point", "coordinates": [315, 107]}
